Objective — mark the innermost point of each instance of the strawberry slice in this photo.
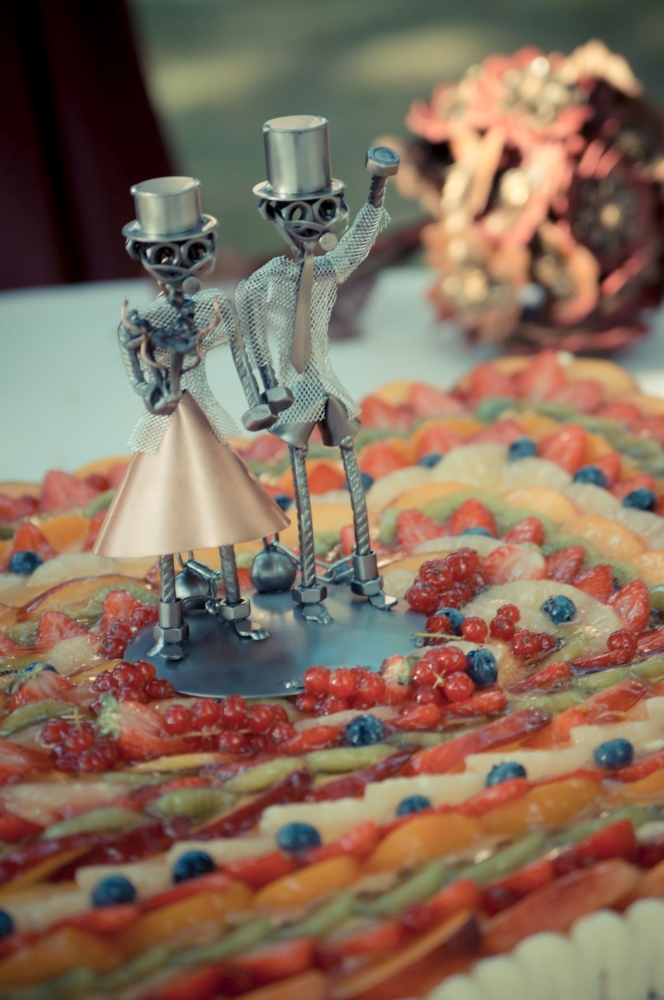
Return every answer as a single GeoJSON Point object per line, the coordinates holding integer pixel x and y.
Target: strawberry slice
{"type": "Point", "coordinates": [584, 394]}
{"type": "Point", "coordinates": [564, 566]}
{"type": "Point", "coordinates": [530, 529]}
{"type": "Point", "coordinates": [93, 530]}
{"type": "Point", "coordinates": [60, 491]}
{"type": "Point", "coordinates": [17, 762]}
{"type": "Point", "coordinates": [598, 582]}
{"type": "Point", "coordinates": [471, 514]}
{"type": "Point", "coordinates": [514, 562]}
{"type": "Point", "coordinates": [486, 380]}
{"type": "Point", "coordinates": [53, 627]}
{"type": "Point", "coordinates": [543, 377]}
{"type": "Point", "coordinates": [435, 438]}
{"type": "Point", "coordinates": [414, 527]}
{"type": "Point", "coordinates": [619, 411]}
{"type": "Point", "coordinates": [10, 648]}
{"type": "Point", "coordinates": [28, 538]}
{"type": "Point", "coordinates": [324, 477]}
{"type": "Point", "coordinates": [379, 458]}
{"type": "Point", "coordinates": [118, 606]}
{"type": "Point", "coordinates": [611, 466]}
{"type": "Point", "coordinates": [502, 432]}
{"type": "Point", "coordinates": [14, 508]}
{"type": "Point", "coordinates": [566, 448]}
{"type": "Point", "coordinates": [376, 413]}
{"type": "Point", "coordinates": [426, 401]}
{"type": "Point", "coordinates": [138, 729]}
{"type": "Point", "coordinates": [117, 471]}
{"type": "Point", "coordinates": [632, 605]}
{"type": "Point", "coordinates": [642, 480]}
{"type": "Point", "coordinates": [39, 682]}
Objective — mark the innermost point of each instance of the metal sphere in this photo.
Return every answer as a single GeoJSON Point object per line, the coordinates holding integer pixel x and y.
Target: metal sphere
{"type": "Point", "coordinates": [189, 585]}
{"type": "Point", "coordinates": [272, 571]}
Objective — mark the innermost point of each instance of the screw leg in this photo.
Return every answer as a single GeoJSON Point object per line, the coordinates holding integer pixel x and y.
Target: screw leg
{"type": "Point", "coordinates": [171, 630]}
{"type": "Point", "coordinates": [234, 608]}
{"type": "Point", "coordinates": [309, 593]}
{"type": "Point", "coordinates": [366, 581]}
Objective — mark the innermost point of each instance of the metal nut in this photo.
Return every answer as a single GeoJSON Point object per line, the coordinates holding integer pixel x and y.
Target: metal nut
{"type": "Point", "coordinates": [278, 398]}
{"type": "Point", "coordinates": [258, 418]}
{"type": "Point", "coordinates": [382, 161]}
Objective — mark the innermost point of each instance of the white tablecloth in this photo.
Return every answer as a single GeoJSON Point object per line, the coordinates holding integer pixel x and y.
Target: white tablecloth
{"type": "Point", "coordinates": [65, 399]}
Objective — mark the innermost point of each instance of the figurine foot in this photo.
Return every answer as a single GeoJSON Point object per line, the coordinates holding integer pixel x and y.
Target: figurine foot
{"type": "Point", "coordinates": [247, 629]}
{"type": "Point", "coordinates": [382, 601]}
{"type": "Point", "coordinates": [310, 599]}
{"type": "Point", "coordinates": [167, 650]}
{"type": "Point", "coordinates": [315, 613]}
{"type": "Point", "coordinates": [238, 615]}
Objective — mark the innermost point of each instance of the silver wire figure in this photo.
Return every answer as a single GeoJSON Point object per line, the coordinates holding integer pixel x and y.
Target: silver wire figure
{"type": "Point", "coordinates": [163, 348]}
{"type": "Point", "coordinates": [296, 297]}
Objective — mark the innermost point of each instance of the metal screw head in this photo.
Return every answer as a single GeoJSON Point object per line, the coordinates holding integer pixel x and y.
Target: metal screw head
{"type": "Point", "coordinates": [328, 241]}
{"type": "Point", "coordinates": [382, 161]}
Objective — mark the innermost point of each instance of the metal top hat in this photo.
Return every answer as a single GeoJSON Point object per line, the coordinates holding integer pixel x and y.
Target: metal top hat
{"type": "Point", "coordinates": [297, 159]}
{"type": "Point", "coordinates": [168, 208]}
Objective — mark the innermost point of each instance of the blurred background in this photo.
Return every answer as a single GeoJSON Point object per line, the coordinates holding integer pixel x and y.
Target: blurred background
{"type": "Point", "coordinates": [204, 75]}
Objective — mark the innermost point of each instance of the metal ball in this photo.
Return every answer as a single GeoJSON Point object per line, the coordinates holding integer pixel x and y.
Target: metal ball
{"type": "Point", "coordinates": [272, 571]}
{"type": "Point", "coordinates": [189, 585]}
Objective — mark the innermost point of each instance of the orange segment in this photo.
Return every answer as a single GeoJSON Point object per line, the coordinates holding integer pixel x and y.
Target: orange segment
{"type": "Point", "coordinates": [536, 426]}
{"type": "Point", "coordinates": [416, 498]}
{"type": "Point", "coordinates": [56, 954]}
{"type": "Point", "coordinates": [543, 500]}
{"type": "Point", "coordinates": [612, 539]}
{"type": "Point", "coordinates": [596, 447]}
{"type": "Point", "coordinates": [553, 804]}
{"type": "Point", "coordinates": [308, 884]}
{"type": "Point", "coordinates": [65, 531]}
{"type": "Point", "coordinates": [185, 918]}
{"type": "Point", "coordinates": [423, 838]}
{"type": "Point", "coordinates": [638, 791]}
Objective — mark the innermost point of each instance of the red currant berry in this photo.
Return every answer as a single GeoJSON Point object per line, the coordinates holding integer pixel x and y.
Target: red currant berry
{"type": "Point", "coordinates": [439, 623]}
{"type": "Point", "coordinates": [342, 683]}
{"type": "Point", "coordinates": [306, 702]}
{"type": "Point", "coordinates": [474, 629]}
{"type": "Point", "coordinates": [259, 718]}
{"type": "Point", "coordinates": [126, 675]}
{"type": "Point", "coordinates": [110, 751]}
{"type": "Point", "coordinates": [502, 628]}
{"type": "Point", "coordinates": [622, 639]}
{"type": "Point", "coordinates": [546, 642]}
{"type": "Point", "coordinates": [329, 704]}
{"type": "Point", "coordinates": [230, 741]}
{"type": "Point", "coordinates": [509, 611]}
{"type": "Point", "coordinates": [423, 597]}
{"type": "Point", "coordinates": [92, 760]}
{"type": "Point", "coordinates": [369, 690]}
{"type": "Point", "coordinates": [424, 672]}
{"type": "Point", "coordinates": [78, 740]}
{"type": "Point", "coordinates": [280, 732]}
{"type": "Point", "coordinates": [458, 687]}
{"type": "Point", "coordinates": [435, 573]}
{"type": "Point", "coordinates": [316, 681]}
{"type": "Point", "coordinates": [177, 720]}
{"type": "Point", "coordinates": [112, 648]}
{"type": "Point", "coordinates": [121, 630]}
{"type": "Point", "coordinates": [449, 659]}
{"type": "Point", "coordinates": [66, 762]}
{"type": "Point", "coordinates": [233, 712]}
{"type": "Point", "coordinates": [461, 563]}
{"type": "Point", "coordinates": [205, 714]}
{"type": "Point", "coordinates": [279, 713]}
{"type": "Point", "coordinates": [524, 644]}
{"type": "Point", "coordinates": [103, 681]}
{"type": "Point", "coordinates": [145, 670]}
{"type": "Point", "coordinates": [54, 731]}
{"type": "Point", "coordinates": [414, 716]}
{"type": "Point", "coordinates": [418, 918]}
{"type": "Point", "coordinates": [429, 696]}
{"type": "Point", "coordinates": [131, 694]}
{"type": "Point", "coordinates": [145, 615]}
{"type": "Point", "coordinates": [158, 689]}
{"type": "Point", "coordinates": [477, 581]}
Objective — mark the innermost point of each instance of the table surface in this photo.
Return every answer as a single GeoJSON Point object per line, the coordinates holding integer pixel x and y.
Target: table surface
{"type": "Point", "coordinates": [65, 399]}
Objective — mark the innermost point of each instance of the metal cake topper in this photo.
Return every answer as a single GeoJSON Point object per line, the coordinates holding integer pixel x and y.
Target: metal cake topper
{"type": "Point", "coordinates": [307, 206]}
{"type": "Point", "coordinates": [185, 488]}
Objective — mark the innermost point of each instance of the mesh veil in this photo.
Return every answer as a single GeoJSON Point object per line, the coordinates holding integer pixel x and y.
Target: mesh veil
{"type": "Point", "coordinates": [269, 299]}
{"type": "Point", "coordinates": [150, 429]}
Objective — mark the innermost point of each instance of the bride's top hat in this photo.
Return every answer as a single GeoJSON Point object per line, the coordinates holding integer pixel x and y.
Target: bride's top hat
{"type": "Point", "coordinates": [168, 208]}
{"type": "Point", "coordinates": [297, 160]}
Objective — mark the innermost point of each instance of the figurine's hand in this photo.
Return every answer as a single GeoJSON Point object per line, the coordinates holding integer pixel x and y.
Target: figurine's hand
{"type": "Point", "coordinates": [161, 403]}
{"type": "Point", "coordinates": [382, 161]}
{"type": "Point", "coordinates": [259, 418]}
{"type": "Point", "coordinates": [278, 398]}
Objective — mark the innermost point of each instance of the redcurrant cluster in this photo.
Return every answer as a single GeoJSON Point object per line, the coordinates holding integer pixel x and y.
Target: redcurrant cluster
{"type": "Point", "coordinates": [77, 747]}
{"type": "Point", "coordinates": [133, 682]}
{"type": "Point", "coordinates": [527, 645]}
{"type": "Point", "coordinates": [447, 583]}
{"type": "Point", "coordinates": [114, 640]}
{"type": "Point", "coordinates": [231, 725]}
{"type": "Point", "coordinates": [330, 691]}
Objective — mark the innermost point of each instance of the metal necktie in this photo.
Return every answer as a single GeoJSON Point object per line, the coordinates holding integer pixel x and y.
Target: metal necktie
{"type": "Point", "coordinates": [301, 349]}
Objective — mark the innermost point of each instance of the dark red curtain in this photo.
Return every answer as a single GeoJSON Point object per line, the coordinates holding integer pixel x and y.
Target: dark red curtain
{"type": "Point", "coordinates": [76, 131]}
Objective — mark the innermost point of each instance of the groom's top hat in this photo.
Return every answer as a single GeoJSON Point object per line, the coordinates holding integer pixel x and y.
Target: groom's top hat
{"type": "Point", "coordinates": [168, 208]}
{"type": "Point", "coordinates": [297, 159]}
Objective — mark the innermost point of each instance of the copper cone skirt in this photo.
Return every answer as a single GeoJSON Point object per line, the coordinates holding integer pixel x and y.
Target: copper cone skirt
{"type": "Point", "coordinates": [193, 492]}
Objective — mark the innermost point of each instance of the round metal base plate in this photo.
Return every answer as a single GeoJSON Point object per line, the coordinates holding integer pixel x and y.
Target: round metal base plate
{"type": "Point", "coordinates": [218, 662]}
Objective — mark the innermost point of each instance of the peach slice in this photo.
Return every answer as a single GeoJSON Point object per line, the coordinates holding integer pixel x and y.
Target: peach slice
{"type": "Point", "coordinates": [616, 381]}
{"type": "Point", "coordinates": [420, 495]}
{"type": "Point", "coordinates": [650, 567]}
{"type": "Point", "coordinates": [65, 532]}
{"type": "Point", "coordinates": [423, 839]}
{"type": "Point", "coordinates": [612, 539]}
{"type": "Point", "coordinates": [16, 489]}
{"type": "Point", "coordinates": [536, 425]}
{"type": "Point", "coordinates": [396, 393]}
{"type": "Point", "coordinates": [544, 501]}
{"type": "Point", "coordinates": [102, 466]}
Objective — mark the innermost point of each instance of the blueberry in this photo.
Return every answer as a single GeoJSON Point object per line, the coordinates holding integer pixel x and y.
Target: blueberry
{"type": "Point", "coordinates": [112, 890]}
{"type": "Point", "coordinates": [430, 459]}
{"type": "Point", "coordinates": [521, 448]}
{"type": "Point", "coordinates": [365, 729]}
{"type": "Point", "coordinates": [25, 562]}
{"type": "Point", "coordinates": [642, 499]}
{"type": "Point", "coordinates": [367, 481]}
{"type": "Point", "coordinates": [413, 804]}
{"type": "Point", "coordinates": [614, 753]}
{"type": "Point", "coordinates": [481, 667]}
{"type": "Point", "coordinates": [477, 531]}
{"type": "Point", "coordinates": [6, 924]}
{"type": "Point", "coordinates": [590, 474]}
{"type": "Point", "coordinates": [193, 864]}
{"type": "Point", "coordinates": [505, 771]}
{"type": "Point", "coordinates": [297, 837]}
{"type": "Point", "coordinates": [559, 609]}
{"type": "Point", "coordinates": [454, 617]}
{"type": "Point", "coordinates": [284, 501]}
{"type": "Point", "coordinates": [38, 666]}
